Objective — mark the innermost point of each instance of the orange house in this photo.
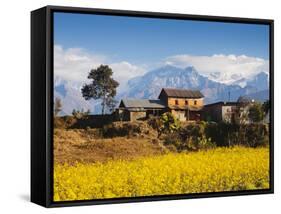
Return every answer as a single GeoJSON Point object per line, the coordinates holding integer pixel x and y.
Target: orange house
{"type": "Point", "coordinates": [186, 105]}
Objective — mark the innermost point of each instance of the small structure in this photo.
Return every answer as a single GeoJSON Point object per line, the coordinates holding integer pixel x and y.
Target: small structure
{"type": "Point", "coordinates": [186, 105]}
{"type": "Point", "coordinates": [135, 109]}
{"type": "Point", "coordinates": [220, 111]}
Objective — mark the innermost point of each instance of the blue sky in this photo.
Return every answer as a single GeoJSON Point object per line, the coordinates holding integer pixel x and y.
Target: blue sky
{"type": "Point", "coordinates": [147, 40]}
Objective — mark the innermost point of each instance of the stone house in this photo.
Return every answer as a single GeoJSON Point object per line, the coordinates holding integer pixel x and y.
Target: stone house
{"type": "Point", "coordinates": [136, 109]}
{"type": "Point", "coordinates": [186, 105]}
{"type": "Point", "coordinates": [230, 111]}
{"type": "Point", "coordinates": [220, 111]}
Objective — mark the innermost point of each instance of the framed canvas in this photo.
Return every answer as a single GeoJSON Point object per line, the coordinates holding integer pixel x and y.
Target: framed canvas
{"type": "Point", "coordinates": [131, 106]}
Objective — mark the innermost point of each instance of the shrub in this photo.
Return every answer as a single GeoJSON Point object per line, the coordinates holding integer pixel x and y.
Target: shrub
{"type": "Point", "coordinates": [121, 129]}
{"type": "Point", "coordinates": [170, 122]}
{"type": "Point", "coordinates": [77, 114]}
{"type": "Point", "coordinates": [224, 134]}
{"type": "Point", "coordinates": [166, 123]}
{"type": "Point", "coordinates": [205, 143]}
{"type": "Point", "coordinates": [193, 131]}
{"type": "Point", "coordinates": [257, 135]}
{"type": "Point", "coordinates": [256, 112]}
{"type": "Point", "coordinates": [227, 134]}
{"type": "Point", "coordinates": [173, 141]}
{"type": "Point", "coordinates": [191, 137]}
{"type": "Point", "coordinates": [156, 124]}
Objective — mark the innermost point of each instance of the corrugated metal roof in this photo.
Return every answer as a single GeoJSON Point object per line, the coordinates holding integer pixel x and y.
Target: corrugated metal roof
{"type": "Point", "coordinates": [182, 93]}
{"type": "Point", "coordinates": [221, 103]}
{"type": "Point", "coordinates": [142, 103]}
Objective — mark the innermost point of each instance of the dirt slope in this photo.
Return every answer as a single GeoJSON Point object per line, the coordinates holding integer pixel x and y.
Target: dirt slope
{"type": "Point", "coordinates": [86, 146]}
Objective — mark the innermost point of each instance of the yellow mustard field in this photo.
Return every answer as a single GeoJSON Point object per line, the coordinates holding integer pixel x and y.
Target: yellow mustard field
{"type": "Point", "coordinates": [221, 169]}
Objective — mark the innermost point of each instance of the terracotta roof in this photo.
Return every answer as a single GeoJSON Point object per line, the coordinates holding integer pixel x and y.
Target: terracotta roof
{"type": "Point", "coordinates": [182, 93]}
{"type": "Point", "coordinates": [141, 103]}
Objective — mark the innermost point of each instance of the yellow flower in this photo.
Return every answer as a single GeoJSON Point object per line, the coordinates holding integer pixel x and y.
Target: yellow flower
{"type": "Point", "coordinates": [221, 169]}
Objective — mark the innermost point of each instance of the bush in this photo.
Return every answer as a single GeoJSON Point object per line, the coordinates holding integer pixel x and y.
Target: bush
{"type": "Point", "coordinates": [257, 135]}
{"type": "Point", "coordinates": [205, 143]}
{"type": "Point", "coordinates": [202, 135]}
{"type": "Point", "coordinates": [77, 114]}
{"type": "Point", "coordinates": [191, 137]}
{"type": "Point", "coordinates": [193, 131]}
{"type": "Point", "coordinates": [166, 123]}
{"type": "Point", "coordinates": [256, 112]}
{"type": "Point", "coordinates": [227, 134]}
{"type": "Point", "coordinates": [173, 141]}
{"type": "Point", "coordinates": [121, 129]}
{"type": "Point", "coordinates": [224, 134]}
{"type": "Point", "coordinates": [156, 124]}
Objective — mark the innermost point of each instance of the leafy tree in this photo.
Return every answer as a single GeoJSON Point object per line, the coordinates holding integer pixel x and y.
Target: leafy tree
{"type": "Point", "coordinates": [111, 103]}
{"type": "Point", "coordinates": [103, 87]}
{"type": "Point", "coordinates": [57, 106]}
{"type": "Point", "coordinates": [266, 106]}
{"type": "Point", "coordinates": [256, 112]}
{"type": "Point", "coordinates": [169, 122]}
{"type": "Point", "coordinates": [166, 123]}
{"type": "Point", "coordinates": [242, 113]}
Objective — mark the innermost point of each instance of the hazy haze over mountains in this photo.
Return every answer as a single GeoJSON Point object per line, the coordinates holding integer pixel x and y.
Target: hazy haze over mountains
{"type": "Point", "coordinates": [150, 84]}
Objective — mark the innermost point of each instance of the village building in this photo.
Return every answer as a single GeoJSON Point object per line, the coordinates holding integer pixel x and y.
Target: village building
{"type": "Point", "coordinates": [220, 111]}
{"type": "Point", "coordinates": [136, 109]}
{"type": "Point", "coordinates": [229, 111]}
{"type": "Point", "coordinates": [186, 105]}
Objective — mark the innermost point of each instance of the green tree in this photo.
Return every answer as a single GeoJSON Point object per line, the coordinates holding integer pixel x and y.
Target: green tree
{"type": "Point", "coordinates": [242, 113]}
{"type": "Point", "coordinates": [102, 86]}
{"type": "Point", "coordinates": [266, 106]}
{"type": "Point", "coordinates": [57, 106]}
{"type": "Point", "coordinates": [256, 113]}
{"type": "Point", "coordinates": [111, 103]}
{"type": "Point", "coordinates": [169, 122]}
{"type": "Point", "coordinates": [166, 123]}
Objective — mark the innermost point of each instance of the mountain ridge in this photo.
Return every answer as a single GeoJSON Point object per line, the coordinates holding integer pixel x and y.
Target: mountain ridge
{"type": "Point", "coordinates": [150, 84]}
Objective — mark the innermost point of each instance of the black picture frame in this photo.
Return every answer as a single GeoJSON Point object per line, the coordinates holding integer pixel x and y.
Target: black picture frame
{"type": "Point", "coordinates": [42, 102]}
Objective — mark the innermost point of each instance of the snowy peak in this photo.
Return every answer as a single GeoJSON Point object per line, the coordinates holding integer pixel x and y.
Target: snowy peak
{"type": "Point", "coordinates": [150, 84]}
{"type": "Point", "coordinates": [259, 81]}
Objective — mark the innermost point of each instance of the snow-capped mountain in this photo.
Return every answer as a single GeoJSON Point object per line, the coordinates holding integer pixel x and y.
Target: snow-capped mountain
{"type": "Point", "coordinates": [260, 81]}
{"type": "Point", "coordinates": [150, 84]}
{"type": "Point", "coordinates": [71, 97]}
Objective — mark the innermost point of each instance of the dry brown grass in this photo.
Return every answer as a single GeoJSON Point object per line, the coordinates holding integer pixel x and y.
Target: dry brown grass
{"type": "Point", "coordinates": [80, 145]}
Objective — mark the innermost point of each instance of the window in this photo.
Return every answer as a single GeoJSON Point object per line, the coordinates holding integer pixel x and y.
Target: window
{"type": "Point", "coordinates": [195, 102]}
{"type": "Point", "coordinates": [186, 102]}
{"type": "Point", "coordinates": [176, 102]}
